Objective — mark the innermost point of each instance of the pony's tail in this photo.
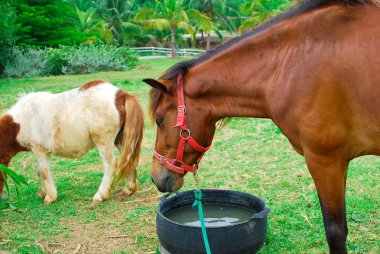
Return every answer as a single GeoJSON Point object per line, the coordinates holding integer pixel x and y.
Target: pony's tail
{"type": "Point", "coordinates": [132, 137]}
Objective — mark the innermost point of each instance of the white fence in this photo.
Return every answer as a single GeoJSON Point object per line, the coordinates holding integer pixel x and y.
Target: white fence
{"type": "Point", "coordinates": [168, 51]}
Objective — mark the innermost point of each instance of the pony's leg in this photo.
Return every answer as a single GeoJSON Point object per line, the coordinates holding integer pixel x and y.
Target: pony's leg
{"type": "Point", "coordinates": [131, 179]}
{"type": "Point", "coordinates": [329, 175]}
{"type": "Point", "coordinates": [47, 189]}
{"type": "Point", "coordinates": [2, 184]}
{"type": "Point", "coordinates": [109, 163]}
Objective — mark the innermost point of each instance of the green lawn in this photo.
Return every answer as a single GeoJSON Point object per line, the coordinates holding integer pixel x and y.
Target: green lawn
{"type": "Point", "coordinates": [249, 155]}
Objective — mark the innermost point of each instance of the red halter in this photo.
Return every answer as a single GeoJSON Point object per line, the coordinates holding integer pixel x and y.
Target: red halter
{"type": "Point", "coordinates": [177, 164]}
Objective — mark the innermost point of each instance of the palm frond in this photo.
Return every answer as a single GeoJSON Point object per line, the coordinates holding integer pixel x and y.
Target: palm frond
{"type": "Point", "coordinates": [18, 181]}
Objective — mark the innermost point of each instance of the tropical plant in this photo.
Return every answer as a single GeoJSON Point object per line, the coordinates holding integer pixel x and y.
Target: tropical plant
{"type": "Point", "coordinates": [221, 14]}
{"type": "Point", "coordinates": [204, 24]}
{"type": "Point", "coordinates": [117, 16]}
{"type": "Point", "coordinates": [258, 11]}
{"type": "Point", "coordinates": [89, 25]}
{"type": "Point", "coordinates": [18, 181]}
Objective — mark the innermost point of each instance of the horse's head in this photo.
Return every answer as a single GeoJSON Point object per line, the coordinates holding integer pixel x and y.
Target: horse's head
{"type": "Point", "coordinates": [184, 131]}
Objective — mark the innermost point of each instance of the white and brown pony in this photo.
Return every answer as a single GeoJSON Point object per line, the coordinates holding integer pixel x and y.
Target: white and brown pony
{"type": "Point", "coordinates": [71, 123]}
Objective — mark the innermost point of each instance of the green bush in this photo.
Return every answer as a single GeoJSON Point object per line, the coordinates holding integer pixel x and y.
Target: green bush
{"type": "Point", "coordinates": [26, 62]}
{"type": "Point", "coordinates": [56, 61]}
{"type": "Point", "coordinates": [89, 59]}
{"type": "Point", "coordinates": [31, 62]}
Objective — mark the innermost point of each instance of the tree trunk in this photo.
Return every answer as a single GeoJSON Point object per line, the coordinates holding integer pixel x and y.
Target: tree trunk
{"type": "Point", "coordinates": [173, 44]}
{"type": "Point", "coordinates": [208, 42]}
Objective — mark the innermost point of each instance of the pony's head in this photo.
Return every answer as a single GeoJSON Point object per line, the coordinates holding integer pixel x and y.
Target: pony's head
{"type": "Point", "coordinates": [184, 130]}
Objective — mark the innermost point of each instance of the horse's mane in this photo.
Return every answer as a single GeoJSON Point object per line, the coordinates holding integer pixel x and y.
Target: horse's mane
{"type": "Point", "coordinates": [302, 7]}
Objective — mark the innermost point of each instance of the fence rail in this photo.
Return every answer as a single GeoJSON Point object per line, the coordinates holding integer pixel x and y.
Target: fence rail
{"type": "Point", "coordinates": [168, 51]}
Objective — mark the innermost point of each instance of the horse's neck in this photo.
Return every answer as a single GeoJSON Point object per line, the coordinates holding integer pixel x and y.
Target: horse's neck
{"type": "Point", "coordinates": [239, 80]}
{"type": "Point", "coordinates": [243, 79]}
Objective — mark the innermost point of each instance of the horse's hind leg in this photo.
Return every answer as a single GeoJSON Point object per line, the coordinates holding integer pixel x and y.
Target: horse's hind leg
{"type": "Point", "coordinates": [329, 175]}
{"type": "Point", "coordinates": [109, 162]}
{"type": "Point", "coordinates": [47, 189]}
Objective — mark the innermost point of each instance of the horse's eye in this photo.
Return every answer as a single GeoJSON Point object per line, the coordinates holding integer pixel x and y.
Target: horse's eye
{"type": "Point", "coordinates": [159, 120]}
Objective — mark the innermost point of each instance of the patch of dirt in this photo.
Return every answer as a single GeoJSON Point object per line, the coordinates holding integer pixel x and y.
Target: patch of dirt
{"type": "Point", "coordinates": [102, 237]}
{"type": "Point", "coordinates": [89, 238]}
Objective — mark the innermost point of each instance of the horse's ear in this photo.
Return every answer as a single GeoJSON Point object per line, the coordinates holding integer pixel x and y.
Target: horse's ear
{"type": "Point", "coordinates": [156, 84]}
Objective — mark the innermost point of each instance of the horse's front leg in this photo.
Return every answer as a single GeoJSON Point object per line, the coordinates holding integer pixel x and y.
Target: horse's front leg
{"type": "Point", "coordinates": [329, 175]}
{"type": "Point", "coordinates": [109, 163]}
{"type": "Point", "coordinates": [47, 189]}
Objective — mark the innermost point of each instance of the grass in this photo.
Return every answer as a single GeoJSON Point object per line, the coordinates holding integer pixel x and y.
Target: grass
{"type": "Point", "coordinates": [249, 155]}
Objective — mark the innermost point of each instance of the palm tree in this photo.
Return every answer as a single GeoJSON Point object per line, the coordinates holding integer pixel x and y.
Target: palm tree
{"type": "Point", "coordinates": [221, 14]}
{"type": "Point", "coordinates": [171, 15]}
{"type": "Point", "coordinates": [87, 24]}
{"type": "Point", "coordinates": [204, 24]}
{"type": "Point", "coordinates": [118, 16]}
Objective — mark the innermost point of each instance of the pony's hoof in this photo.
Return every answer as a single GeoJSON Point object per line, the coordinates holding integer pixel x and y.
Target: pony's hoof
{"type": "Point", "coordinates": [40, 195]}
{"type": "Point", "coordinates": [48, 200]}
{"type": "Point", "coordinates": [129, 190]}
{"type": "Point", "coordinates": [97, 199]}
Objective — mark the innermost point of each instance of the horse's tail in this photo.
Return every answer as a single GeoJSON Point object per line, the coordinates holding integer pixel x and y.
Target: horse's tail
{"type": "Point", "coordinates": [132, 137]}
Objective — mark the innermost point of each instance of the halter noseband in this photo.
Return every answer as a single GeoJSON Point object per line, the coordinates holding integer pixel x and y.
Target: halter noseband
{"type": "Point", "coordinates": [177, 164]}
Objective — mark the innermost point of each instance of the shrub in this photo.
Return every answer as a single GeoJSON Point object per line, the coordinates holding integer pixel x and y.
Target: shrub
{"type": "Point", "coordinates": [31, 62]}
{"type": "Point", "coordinates": [56, 61]}
{"type": "Point", "coordinates": [129, 56]}
{"type": "Point", "coordinates": [26, 62]}
{"type": "Point", "coordinates": [88, 59]}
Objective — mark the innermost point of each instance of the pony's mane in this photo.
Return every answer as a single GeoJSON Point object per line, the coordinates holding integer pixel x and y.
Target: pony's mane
{"type": "Point", "coordinates": [302, 7]}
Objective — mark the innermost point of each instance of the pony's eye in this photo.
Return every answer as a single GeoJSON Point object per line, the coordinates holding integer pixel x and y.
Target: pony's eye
{"type": "Point", "coordinates": [159, 120]}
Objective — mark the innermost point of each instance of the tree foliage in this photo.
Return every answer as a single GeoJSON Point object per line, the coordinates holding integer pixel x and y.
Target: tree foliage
{"type": "Point", "coordinates": [45, 23]}
{"type": "Point", "coordinates": [52, 23]}
{"type": "Point", "coordinates": [8, 30]}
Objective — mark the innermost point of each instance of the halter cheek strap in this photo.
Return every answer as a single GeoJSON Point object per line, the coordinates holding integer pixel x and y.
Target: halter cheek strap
{"type": "Point", "coordinates": [177, 164]}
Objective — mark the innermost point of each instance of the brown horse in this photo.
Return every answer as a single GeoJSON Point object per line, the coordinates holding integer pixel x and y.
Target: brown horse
{"type": "Point", "coordinates": [314, 70]}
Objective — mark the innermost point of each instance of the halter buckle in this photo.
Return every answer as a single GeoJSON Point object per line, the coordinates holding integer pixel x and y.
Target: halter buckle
{"type": "Point", "coordinates": [186, 135]}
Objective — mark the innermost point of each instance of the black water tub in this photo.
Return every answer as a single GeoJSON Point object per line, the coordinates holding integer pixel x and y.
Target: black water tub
{"type": "Point", "coordinates": [245, 237]}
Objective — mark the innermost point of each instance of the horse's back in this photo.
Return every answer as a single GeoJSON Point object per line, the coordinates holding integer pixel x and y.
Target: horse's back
{"type": "Point", "coordinates": [70, 123]}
